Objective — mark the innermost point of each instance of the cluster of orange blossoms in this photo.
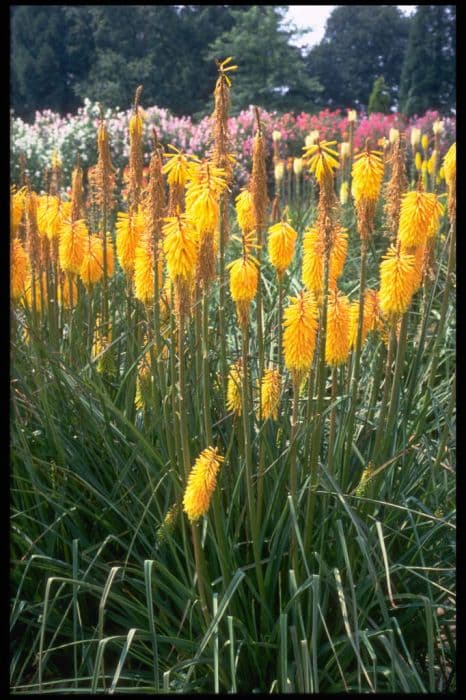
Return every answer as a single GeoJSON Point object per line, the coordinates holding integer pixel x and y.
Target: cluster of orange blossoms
{"type": "Point", "coordinates": [181, 239]}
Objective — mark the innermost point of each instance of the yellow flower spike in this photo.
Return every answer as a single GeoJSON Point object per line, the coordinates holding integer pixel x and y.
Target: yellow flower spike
{"type": "Point", "coordinates": [205, 185]}
{"type": "Point", "coordinates": [144, 264]}
{"type": "Point", "coordinates": [425, 142]}
{"type": "Point", "coordinates": [312, 275]}
{"type": "Point", "coordinates": [338, 253]}
{"type": "Point", "coordinates": [449, 166]}
{"type": "Point", "coordinates": [322, 160]}
{"type": "Point", "coordinates": [270, 394]}
{"type": "Point", "coordinates": [20, 278]}
{"type": "Point", "coordinates": [244, 211]}
{"type": "Point", "coordinates": [235, 378]}
{"type": "Point", "coordinates": [129, 229]}
{"type": "Point", "coordinates": [281, 242]}
{"type": "Point", "coordinates": [243, 278]}
{"type": "Point", "coordinates": [397, 281]}
{"type": "Point", "coordinates": [17, 202]}
{"type": "Point", "coordinates": [177, 167]}
{"type": "Point", "coordinates": [367, 174]}
{"type": "Point", "coordinates": [92, 267]}
{"type": "Point", "coordinates": [201, 484]}
{"type": "Point", "coordinates": [49, 216]}
{"type": "Point", "coordinates": [299, 332]}
{"type": "Point", "coordinates": [417, 215]}
{"type": "Point", "coordinates": [180, 246]}
{"type": "Point", "coordinates": [72, 245]}
{"type": "Point", "coordinates": [337, 339]}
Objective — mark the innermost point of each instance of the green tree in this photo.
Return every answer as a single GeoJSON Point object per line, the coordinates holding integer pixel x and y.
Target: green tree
{"type": "Point", "coordinates": [42, 72]}
{"type": "Point", "coordinates": [379, 100]}
{"type": "Point", "coordinates": [271, 72]}
{"type": "Point", "coordinates": [361, 42]}
{"type": "Point", "coordinates": [65, 53]}
{"type": "Point", "coordinates": [428, 79]}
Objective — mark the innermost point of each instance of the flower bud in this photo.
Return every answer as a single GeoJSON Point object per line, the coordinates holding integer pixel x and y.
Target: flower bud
{"type": "Point", "coordinates": [438, 127]}
{"type": "Point", "coordinates": [297, 165]}
{"type": "Point", "coordinates": [312, 137]}
{"type": "Point", "coordinates": [344, 193]}
{"type": "Point", "coordinates": [415, 136]}
{"type": "Point", "coordinates": [393, 135]}
{"type": "Point", "coordinates": [279, 171]}
{"type": "Point", "coordinates": [418, 161]}
{"type": "Point", "coordinates": [425, 142]}
{"type": "Point", "coordinates": [345, 149]}
{"type": "Point", "coordinates": [351, 115]}
{"type": "Point", "coordinates": [276, 135]}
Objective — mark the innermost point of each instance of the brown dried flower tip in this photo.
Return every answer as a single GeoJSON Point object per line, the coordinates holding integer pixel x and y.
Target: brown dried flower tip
{"type": "Point", "coordinates": [395, 187]}
{"type": "Point", "coordinates": [77, 192]}
{"type": "Point", "coordinates": [155, 200]}
{"type": "Point", "coordinates": [135, 150]}
{"type": "Point", "coordinates": [104, 173]}
{"type": "Point", "coordinates": [259, 180]}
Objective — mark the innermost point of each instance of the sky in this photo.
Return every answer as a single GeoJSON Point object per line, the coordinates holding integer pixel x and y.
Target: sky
{"type": "Point", "coordinates": [315, 16]}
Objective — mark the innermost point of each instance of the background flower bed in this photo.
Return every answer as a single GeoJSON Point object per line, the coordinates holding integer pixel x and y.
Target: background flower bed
{"type": "Point", "coordinates": [76, 133]}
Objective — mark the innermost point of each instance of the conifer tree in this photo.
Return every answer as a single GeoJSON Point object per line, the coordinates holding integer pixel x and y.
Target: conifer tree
{"type": "Point", "coordinates": [379, 100]}
{"type": "Point", "coordinates": [429, 74]}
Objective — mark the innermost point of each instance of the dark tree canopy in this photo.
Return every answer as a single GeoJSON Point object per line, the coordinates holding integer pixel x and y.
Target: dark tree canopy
{"type": "Point", "coordinates": [429, 71]}
{"type": "Point", "coordinates": [61, 54]}
{"type": "Point", "coordinates": [272, 72]}
{"type": "Point", "coordinates": [361, 43]}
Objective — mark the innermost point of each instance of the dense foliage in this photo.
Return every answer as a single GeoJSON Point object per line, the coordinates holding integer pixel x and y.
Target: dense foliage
{"type": "Point", "coordinates": [76, 134]}
{"type": "Point", "coordinates": [63, 54]}
{"type": "Point", "coordinates": [428, 79]}
{"type": "Point", "coordinates": [207, 497]}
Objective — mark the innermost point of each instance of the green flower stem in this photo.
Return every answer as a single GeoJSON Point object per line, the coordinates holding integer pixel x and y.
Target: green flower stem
{"type": "Point", "coordinates": [175, 416]}
{"type": "Point", "coordinates": [333, 420]}
{"type": "Point", "coordinates": [395, 392]}
{"type": "Point", "coordinates": [279, 328]}
{"type": "Point", "coordinates": [317, 433]}
{"type": "Point", "coordinates": [198, 554]}
{"type": "Point", "coordinates": [293, 471]}
{"type": "Point", "coordinates": [444, 308]}
{"type": "Point", "coordinates": [105, 270]}
{"type": "Point", "coordinates": [376, 378]}
{"type": "Point", "coordinates": [248, 455]}
{"type": "Point", "coordinates": [222, 304]}
{"type": "Point", "coordinates": [355, 369]}
{"type": "Point", "coordinates": [386, 390]}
